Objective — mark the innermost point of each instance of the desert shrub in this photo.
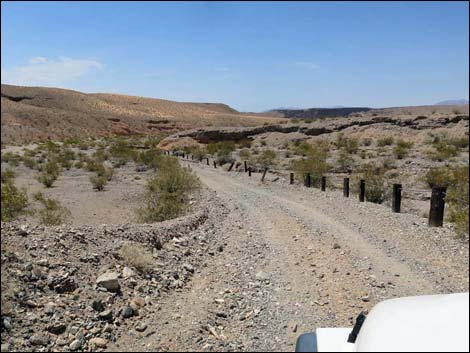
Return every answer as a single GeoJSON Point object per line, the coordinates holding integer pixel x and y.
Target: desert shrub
{"type": "Point", "coordinates": [314, 163]}
{"type": "Point", "coordinates": [385, 141]}
{"type": "Point", "coordinates": [266, 159]}
{"type": "Point", "coordinates": [458, 200]}
{"type": "Point", "coordinates": [244, 143]}
{"type": "Point", "coordinates": [198, 152]}
{"type": "Point", "coordinates": [345, 160]}
{"type": "Point", "coordinates": [388, 164]}
{"type": "Point", "coordinates": [52, 212]}
{"type": "Point", "coordinates": [222, 151]}
{"type": "Point", "coordinates": [401, 149]}
{"type": "Point", "coordinates": [263, 143]}
{"type": "Point", "coordinates": [167, 192]}
{"type": "Point", "coordinates": [351, 145]}
{"type": "Point", "coordinates": [376, 183]}
{"type": "Point", "coordinates": [29, 162]}
{"type": "Point", "coordinates": [121, 151]}
{"type": "Point", "coordinates": [7, 175]}
{"type": "Point", "coordinates": [49, 173]}
{"type": "Point", "coordinates": [459, 142]}
{"type": "Point", "coordinates": [148, 158]}
{"type": "Point", "coordinates": [14, 200]}
{"type": "Point", "coordinates": [367, 141]}
{"type": "Point", "coordinates": [245, 153]}
{"type": "Point", "coordinates": [11, 158]}
{"type": "Point", "coordinates": [137, 256]}
{"type": "Point", "coordinates": [302, 148]}
{"type": "Point", "coordinates": [98, 182]}
{"type": "Point", "coordinates": [443, 151]}
{"type": "Point", "coordinates": [456, 111]}
{"type": "Point", "coordinates": [439, 176]}
{"type": "Point", "coordinates": [363, 154]}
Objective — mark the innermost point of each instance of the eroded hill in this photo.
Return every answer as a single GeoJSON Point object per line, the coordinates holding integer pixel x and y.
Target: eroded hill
{"type": "Point", "coordinates": [39, 113]}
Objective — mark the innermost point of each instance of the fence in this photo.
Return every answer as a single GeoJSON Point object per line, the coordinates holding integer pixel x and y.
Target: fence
{"type": "Point", "coordinates": [437, 201]}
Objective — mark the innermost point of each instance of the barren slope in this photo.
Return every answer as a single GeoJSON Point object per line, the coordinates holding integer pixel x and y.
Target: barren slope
{"type": "Point", "coordinates": [38, 113]}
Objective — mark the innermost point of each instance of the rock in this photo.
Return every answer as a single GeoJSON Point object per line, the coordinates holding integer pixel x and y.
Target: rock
{"type": "Point", "coordinates": [365, 298]}
{"type": "Point", "coordinates": [5, 347]}
{"type": "Point", "coordinates": [63, 284]}
{"type": "Point", "coordinates": [23, 231]}
{"type": "Point", "coordinates": [109, 281]}
{"type": "Point", "coordinates": [188, 267]}
{"type": "Point", "coordinates": [262, 276]}
{"type": "Point", "coordinates": [97, 305]}
{"type": "Point", "coordinates": [336, 246]}
{"type": "Point", "coordinates": [57, 328]}
{"type": "Point", "coordinates": [98, 342]}
{"type": "Point", "coordinates": [39, 340]}
{"type": "Point", "coordinates": [294, 328]}
{"type": "Point", "coordinates": [141, 327]}
{"type": "Point", "coordinates": [7, 323]}
{"type": "Point", "coordinates": [127, 272]}
{"type": "Point", "coordinates": [220, 248]}
{"type": "Point", "coordinates": [49, 309]}
{"type": "Point", "coordinates": [127, 312]}
{"type": "Point", "coordinates": [106, 315]}
{"type": "Point", "coordinates": [76, 344]}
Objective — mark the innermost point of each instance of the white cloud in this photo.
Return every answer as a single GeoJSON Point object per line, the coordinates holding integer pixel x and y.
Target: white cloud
{"type": "Point", "coordinates": [306, 65]}
{"type": "Point", "coordinates": [45, 72]}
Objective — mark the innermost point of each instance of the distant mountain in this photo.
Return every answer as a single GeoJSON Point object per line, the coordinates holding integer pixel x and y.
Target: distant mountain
{"type": "Point", "coordinates": [453, 102]}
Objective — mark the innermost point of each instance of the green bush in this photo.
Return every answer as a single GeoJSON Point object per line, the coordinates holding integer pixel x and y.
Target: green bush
{"type": "Point", "coordinates": [49, 173]}
{"type": "Point", "coordinates": [345, 160]}
{"type": "Point", "coordinates": [98, 182]}
{"type": "Point", "coordinates": [313, 163]}
{"type": "Point", "coordinates": [351, 145]}
{"type": "Point", "coordinates": [386, 141]}
{"type": "Point", "coordinates": [52, 212]}
{"type": "Point", "coordinates": [267, 158]}
{"type": "Point", "coordinates": [245, 153]}
{"type": "Point", "coordinates": [14, 201]}
{"type": "Point", "coordinates": [439, 176]}
{"type": "Point", "coordinates": [458, 199]}
{"type": "Point", "coordinates": [121, 151]}
{"type": "Point", "coordinates": [29, 162]}
{"type": "Point", "coordinates": [167, 192]}
{"type": "Point", "coordinates": [376, 183]}
{"type": "Point", "coordinates": [11, 158]}
{"type": "Point", "coordinates": [7, 175]}
{"type": "Point", "coordinates": [443, 151]}
{"type": "Point", "coordinates": [401, 149]}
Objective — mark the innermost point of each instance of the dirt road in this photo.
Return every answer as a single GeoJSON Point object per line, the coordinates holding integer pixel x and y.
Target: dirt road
{"type": "Point", "coordinates": [295, 259]}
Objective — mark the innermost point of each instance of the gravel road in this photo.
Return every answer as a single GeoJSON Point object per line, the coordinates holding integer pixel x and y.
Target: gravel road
{"type": "Point", "coordinates": [295, 259]}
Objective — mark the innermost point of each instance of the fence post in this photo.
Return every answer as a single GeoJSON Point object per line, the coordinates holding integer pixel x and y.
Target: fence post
{"type": "Point", "coordinates": [291, 178]}
{"type": "Point", "coordinates": [231, 166]}
{"type": "Point", "coordinates": [362, 190]}
{"type": "Point", "coordinates": [264, 174]}
{"type": "Point", "coordinates": [249, 171]}
{"type": "Point", "coordinates": [396, 201]}
{"type": "Point", "coordinates": [436, 213]}
{"type": "Point", "coordinates": [323, 183]}
{"type": "Point", "coordinates": [308, 180]}
{"type": "Point", "coordinates": [215, 165]}
{"type": "Point", "coordinates": [207, 161]}
{"type": "Point", "coordinates": [246, 167]}
{"type": "Point", "coordinates": [346, 187]}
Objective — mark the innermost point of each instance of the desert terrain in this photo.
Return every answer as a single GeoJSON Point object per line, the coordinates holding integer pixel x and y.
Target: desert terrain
{"type": "Point", "coordinates": [116, 237]}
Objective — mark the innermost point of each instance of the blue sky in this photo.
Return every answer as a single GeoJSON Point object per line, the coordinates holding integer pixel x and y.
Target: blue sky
{"type": "Point", "coordinates": [252, 56]}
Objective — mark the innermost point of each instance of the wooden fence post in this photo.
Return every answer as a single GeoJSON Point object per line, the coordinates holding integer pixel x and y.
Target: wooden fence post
{"type": "Point", "coordinates": [231, 166]}
{"type": "Point", "coordinates": [396, 201]}
{"type": "Point", "coordinates": [308, 180]}
{"type": "Point", "coordinates": [436, 213]}
{"type": "Point", "coordinates": [249, 171]}
{"type": "Point", "coordinates": [207, 161]}
{"type": "Point", "coordinates": [291, 178]}
{"type": "Point", "coordinates": [264, 174]}
{"type": "Point", "coordinates": [362, 190]}
{"type": "Point", "coordinates": [215, 165]}
{"type": "Point", "coordinates": [323, 183]}
{"type": "Point", "coordinates": [346, 187]}
{"type": "Point", "coordinates": [246, 167]}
